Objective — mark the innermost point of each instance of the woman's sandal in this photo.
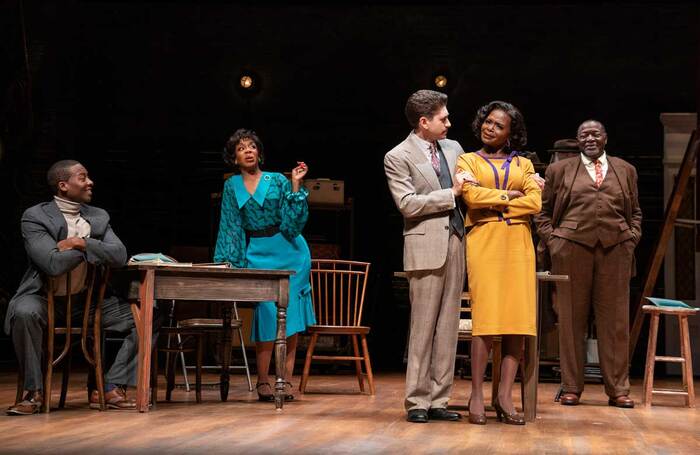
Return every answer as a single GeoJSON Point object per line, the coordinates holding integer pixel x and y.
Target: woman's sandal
{"type": "Point", "coordinates": [271, 396]}
{"type": "Point", "coordinates": [264, 396]}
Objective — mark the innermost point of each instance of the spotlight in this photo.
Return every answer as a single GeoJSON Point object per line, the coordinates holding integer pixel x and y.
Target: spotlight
{"type": "Point", "coordinates": [440, 81]}
{"type": "Point", "coordinates": [246, 82]}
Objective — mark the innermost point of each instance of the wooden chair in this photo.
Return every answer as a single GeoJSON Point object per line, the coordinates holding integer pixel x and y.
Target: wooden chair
{"type": "Point", "coordinates": [94, 274]}
{"type": "Point", "coordinates": [465, 334]}
{"type": "Point", "coordinates": [338, 292]}
{"type": "Point", "coordinates": [189, 335]}
{"type": "Point", "coordinates": [686, 358]}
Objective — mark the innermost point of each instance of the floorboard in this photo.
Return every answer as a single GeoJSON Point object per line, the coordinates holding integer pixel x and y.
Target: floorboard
{"type": "Point", "coordinates": [334, 418]}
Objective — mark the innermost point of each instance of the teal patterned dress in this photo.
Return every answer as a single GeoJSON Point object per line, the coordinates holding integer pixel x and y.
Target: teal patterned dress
{"type": "Point", "coordinates": [280, 215]}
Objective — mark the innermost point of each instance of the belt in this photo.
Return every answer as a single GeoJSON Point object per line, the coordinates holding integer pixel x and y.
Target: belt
{"type": "Point", "coordinates": [267, 232]}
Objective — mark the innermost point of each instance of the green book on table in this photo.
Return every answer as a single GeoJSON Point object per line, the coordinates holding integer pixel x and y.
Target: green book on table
{"type": "Point", "coordinates": [668, 303]}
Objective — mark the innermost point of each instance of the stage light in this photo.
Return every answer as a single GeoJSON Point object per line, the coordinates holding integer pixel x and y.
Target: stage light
{"type": "Point", "coordinates": [246, 82]}
{"type": "Point", "coordinates": [440, 81]}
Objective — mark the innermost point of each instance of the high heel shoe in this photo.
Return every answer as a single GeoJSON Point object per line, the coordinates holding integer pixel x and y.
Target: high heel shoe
{"type": "Point", "coordinates": [510, 419]}
{"type": "Point", "coordinates": [476, 419]}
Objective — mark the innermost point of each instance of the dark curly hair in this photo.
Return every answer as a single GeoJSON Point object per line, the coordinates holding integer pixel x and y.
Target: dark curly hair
{"type": "Point", "coordinates": [229, 154]}
{"type": "Point", "coordinates": [518, 132]}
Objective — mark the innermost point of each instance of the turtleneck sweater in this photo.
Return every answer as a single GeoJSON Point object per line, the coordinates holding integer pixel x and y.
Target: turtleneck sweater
{"type": "Point", "coordinates": [77, 227]}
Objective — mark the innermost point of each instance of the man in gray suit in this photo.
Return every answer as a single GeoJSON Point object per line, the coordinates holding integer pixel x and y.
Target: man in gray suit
{"type": "Point", "coordinates": [63, 235]}
{"type": "Point", "coordinates": [420, 173]}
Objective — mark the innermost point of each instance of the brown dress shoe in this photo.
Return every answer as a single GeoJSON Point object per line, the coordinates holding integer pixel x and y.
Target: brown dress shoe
{"type": "Point", "coordinates": [114, 399]}
{"type": "Point", "coordinates": [623, 401]}
{"type": "Point", "coordinates": [31, 404]}
{"type": "Point", "coordinates": [569, 399]}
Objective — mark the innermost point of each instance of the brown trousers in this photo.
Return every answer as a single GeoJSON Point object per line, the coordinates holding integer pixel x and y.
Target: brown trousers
{"type": "Point", "coordinates": [432, 347]}
{"type": "Point", "coordinates": [598, 279]}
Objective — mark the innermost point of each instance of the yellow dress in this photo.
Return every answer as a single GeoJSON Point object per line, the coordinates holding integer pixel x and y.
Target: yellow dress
{"type": "Point", "coordinates": [500, 254]}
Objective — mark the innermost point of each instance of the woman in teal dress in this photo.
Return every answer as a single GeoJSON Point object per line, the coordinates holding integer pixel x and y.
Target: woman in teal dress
{"type": "Point", "coordinates": [262, 216]}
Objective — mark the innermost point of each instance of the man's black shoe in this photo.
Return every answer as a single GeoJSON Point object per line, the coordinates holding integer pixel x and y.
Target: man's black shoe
{"type": "Point", "coordinates": [443, 414]}
{"type": "Point", "coordinates": [417, 416]}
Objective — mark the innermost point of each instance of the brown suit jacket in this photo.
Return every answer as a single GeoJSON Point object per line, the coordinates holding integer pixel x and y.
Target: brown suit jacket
{"type": "Point", "coordinates": [557, 191]}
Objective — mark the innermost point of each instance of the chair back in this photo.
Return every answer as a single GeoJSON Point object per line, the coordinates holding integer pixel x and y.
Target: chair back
{"type": "Point", "coordinates": [338, 291]}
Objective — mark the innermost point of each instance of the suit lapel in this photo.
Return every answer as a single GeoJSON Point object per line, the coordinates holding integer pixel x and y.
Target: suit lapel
{"type": "Point", "coordinates": [449, 157]}
{"type": "Point", "coordinates": [570, 174]}
{"type": "Point", "coordinates": [97, 223]}
{"type": "Point", "coordinates": [418, 158]}
{"type": "Point", "coordinates": [57, 220]}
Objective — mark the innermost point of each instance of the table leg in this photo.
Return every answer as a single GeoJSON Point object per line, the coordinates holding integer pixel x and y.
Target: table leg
{"type": "Point", "coordinates": [281, 342]}
{"type": "Point", "coordinates": [532, 365]}
{"type": "Point", "coordinates": [145, 331]}
{"type": "Point", "coordinates": [225, 350]}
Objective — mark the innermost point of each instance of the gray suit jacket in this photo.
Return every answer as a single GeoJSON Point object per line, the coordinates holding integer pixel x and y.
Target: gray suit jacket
{"type": "Point", "coordinates": [43, 226]}
{"type": "Point", "coordinates": [425, 206]}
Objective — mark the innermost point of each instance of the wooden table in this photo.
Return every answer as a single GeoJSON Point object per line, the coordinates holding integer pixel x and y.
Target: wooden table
{"type": "Point", "coordinates": [147, 283]}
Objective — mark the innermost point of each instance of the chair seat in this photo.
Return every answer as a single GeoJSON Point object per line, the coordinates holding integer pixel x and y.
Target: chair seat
{"type": "Point", "coordinates": [207, 323]}
{"type": "Point", "coordinates": [339, 329]}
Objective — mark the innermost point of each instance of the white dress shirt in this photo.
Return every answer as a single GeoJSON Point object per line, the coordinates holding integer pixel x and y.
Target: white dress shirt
{"type": "Point", "coordinates": [590, 165]}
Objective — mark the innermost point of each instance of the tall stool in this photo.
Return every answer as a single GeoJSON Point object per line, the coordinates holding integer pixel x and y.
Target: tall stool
{"type": "Point", "coordinates": [688, 390]}
{"type": "Point", "coordinates": [94, 358]}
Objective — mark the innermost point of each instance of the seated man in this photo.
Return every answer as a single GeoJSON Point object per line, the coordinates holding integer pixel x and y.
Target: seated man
{"type": "Point", "coordinates": [59, 236]}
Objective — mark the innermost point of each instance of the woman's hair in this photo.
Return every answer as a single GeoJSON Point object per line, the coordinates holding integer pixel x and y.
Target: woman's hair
{"type": "Point", "coordinates": [229, 154]}
{"type": "Point", "coordinates": [518, 132]}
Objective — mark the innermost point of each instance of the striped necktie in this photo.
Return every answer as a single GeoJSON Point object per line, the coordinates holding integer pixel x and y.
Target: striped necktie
{"type": "Point", "coordinates": [598, 173]}
{"type": "Point", "coordinates": [434, 158]}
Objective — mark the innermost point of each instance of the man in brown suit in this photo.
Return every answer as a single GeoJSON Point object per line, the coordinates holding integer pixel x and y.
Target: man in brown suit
{"type": "Point", "coordinates": [421, 175]}
{"type": "Point", "coordinates": [591, 223]}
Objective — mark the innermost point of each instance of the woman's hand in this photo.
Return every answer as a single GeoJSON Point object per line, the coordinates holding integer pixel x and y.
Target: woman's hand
{"type": "Point", "coordinates": [298, 174]}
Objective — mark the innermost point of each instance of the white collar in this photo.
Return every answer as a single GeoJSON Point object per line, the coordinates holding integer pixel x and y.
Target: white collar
{"type": "Point", "coordinates": [589, 162]}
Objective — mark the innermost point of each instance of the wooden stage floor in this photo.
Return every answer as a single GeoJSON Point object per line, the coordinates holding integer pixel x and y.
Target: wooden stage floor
{"type": "Point", "coordinates": [323, 422]}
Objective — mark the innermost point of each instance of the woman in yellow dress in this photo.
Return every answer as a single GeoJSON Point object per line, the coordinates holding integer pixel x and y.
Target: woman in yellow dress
{"type": "Point", "coordinates": [500, 254]}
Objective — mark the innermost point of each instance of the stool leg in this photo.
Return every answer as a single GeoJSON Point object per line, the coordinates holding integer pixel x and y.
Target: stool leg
{"type": "Point", "coordinates": [651, 360]}
{"type": "Point", "coordinates": [688, 364]}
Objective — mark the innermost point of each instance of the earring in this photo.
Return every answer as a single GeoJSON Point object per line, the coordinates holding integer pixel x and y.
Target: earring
{"type": "Point", "coordinates": [260, 160]}
{"type": "Point", "coordinates": [508, 143]}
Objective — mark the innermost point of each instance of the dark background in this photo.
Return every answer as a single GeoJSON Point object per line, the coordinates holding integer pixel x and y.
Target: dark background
{"type": "Point", "coordinates": [144, 94]}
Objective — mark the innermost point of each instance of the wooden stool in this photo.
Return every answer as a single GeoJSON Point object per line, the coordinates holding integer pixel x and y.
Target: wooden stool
{"type": "Point", "coordinates": [686, 359]}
